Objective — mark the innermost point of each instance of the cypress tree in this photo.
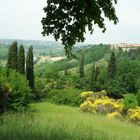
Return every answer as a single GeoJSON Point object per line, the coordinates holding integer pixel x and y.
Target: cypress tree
{"type": "Point", "coordinates": [8, 65]}
{"type": "Point", "coordinates": [14, 55]}
{"type": "Point", "coordinates": [97, 72]}
{"type": "Point", "coordinates": [30, 67]}
{"type": "Point", "coordinates": [92, 77]}
{"type": "Point", "coordinates": [66, 72]}
{"type": "Point", "coordinates": [81, 68]}
{"type": "Point", "coordinates": [21, 60]}
{"type": "Point", "coordinates": [112, 66]}
{"type": "Point", "coordinates": [0, 65]}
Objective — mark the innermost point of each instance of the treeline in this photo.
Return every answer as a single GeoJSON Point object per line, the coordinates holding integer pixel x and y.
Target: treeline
{"type": "Point", "coordinates": [16, 61]}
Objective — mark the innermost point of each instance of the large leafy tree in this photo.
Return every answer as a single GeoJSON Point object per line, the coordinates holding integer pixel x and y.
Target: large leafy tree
{"type": "Point", "coordinates": [68, 19]}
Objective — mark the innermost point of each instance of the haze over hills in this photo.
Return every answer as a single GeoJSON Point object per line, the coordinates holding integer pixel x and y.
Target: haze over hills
{"type": "Point", "coordinates": [36, 43]}
{"type": "Point", "coordinates": [41, 47]}
{"type": "Point", "coordinates": [31, 42]}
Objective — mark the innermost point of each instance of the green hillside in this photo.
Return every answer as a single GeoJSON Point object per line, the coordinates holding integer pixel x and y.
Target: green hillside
{"type": "Point", "coordinates": [93, 53]}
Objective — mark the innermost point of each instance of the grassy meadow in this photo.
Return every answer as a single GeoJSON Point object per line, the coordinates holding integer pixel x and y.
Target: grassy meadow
{"type": "Point", "coordinates": [47, 121]}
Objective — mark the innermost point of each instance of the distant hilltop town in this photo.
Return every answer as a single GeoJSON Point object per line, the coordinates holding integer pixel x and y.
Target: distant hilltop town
{"type": "Point", "coordinates": [125, 46]}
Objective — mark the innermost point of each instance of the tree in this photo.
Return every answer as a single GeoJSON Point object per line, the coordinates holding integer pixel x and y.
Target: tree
{"type": "Point", "coordinates": [112, 66]}
{"type": "Point", "coordinates": [81, 68]}
{"type": "Point", "coordinates": [66, 72]}
{"type": "Point", "coordinates": [0, 65]}
{"type": "Point", "coordinates": [127, 81]}
{"type": "Point", "coordinates": [115, 89]}
{"type": "Point", "coordinates": [30, 67]}
{"type": "Point", "coordinates": [8, 65]}
{"type": "Point", "coordinates": [92, 77]}
{"type": "Point", "coordinates": [68, 20]}
{"type": "Point", "coordinates": [97, 71]}
{"type": "Point", "coordinates": [21, 60]}
{"type": "Point", "coordinates": [12, 56]}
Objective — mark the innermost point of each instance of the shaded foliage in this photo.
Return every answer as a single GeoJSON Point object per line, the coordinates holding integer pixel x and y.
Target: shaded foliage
{"type": "Point", "coordinates": [4, 100]}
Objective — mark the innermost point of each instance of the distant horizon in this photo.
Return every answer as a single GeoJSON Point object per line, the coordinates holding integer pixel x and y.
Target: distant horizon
{"type": "Point", "coordinates": [43, 40]}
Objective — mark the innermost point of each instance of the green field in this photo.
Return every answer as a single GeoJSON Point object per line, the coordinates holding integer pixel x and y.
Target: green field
{"type": "Point", "coordinates": [47, 121]}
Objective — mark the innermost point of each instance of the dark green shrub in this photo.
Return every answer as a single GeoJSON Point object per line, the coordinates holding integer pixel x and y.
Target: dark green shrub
{"type": "Point", "coordinates": [3, 100]}
{"type": "Point", "coordinates": [16, 87]}
{"type": "Point", "coordinates": [115, 90]}
{"type": "Point", "coordinates": [65, 96]}
{"type": "Point", "coordinates": [130, 101]}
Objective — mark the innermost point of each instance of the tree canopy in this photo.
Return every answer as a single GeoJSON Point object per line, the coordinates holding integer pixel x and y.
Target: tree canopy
{"type": "Point", "coordinates": [68, 19]}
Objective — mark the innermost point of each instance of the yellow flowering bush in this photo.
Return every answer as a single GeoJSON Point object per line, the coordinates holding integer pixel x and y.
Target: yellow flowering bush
{"type": "Point", "coordinates": [100, 94]}
{"type": "Point", "coordinates": [98, 102]}
{"type": "Point", "coordinates": [95, 95]}
{"type": "Point", "coordinates": [134, 115]}
{"type": "Point", "coordinates": [86, 94]}
{"type": "Point", "coordinates": [86, 106]}
{"type": "Point", "coordinates": [103, 105]}
{"type": "Point", "coordinates": [107, 105]}
{"type": "Point", "coordinates": [114, 115]}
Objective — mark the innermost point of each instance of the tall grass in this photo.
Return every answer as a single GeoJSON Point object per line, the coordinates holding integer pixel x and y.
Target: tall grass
{"type": "Point", "coordinates": [52, 122]}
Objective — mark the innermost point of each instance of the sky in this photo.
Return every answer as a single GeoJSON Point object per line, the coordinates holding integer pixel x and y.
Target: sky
{"type": "Point", "coordinates": [21, 19]}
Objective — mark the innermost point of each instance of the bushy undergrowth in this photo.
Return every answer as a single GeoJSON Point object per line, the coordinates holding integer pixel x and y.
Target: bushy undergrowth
{"type": "Point", "coordinates": [65, 96]}
{"type": "Point", "coordinates": [98, 102]}
{"type": "Point", "coordinates": [17, 90]}
{"type": "Point", "coordinates": [130, 101]}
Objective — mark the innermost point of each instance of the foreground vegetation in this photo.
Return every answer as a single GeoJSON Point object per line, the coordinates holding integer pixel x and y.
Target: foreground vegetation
{"type": "Point", "coordinates": [46, 121]}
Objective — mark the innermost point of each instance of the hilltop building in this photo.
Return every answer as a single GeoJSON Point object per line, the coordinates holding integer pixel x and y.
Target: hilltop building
{"type": "Point", "coordinates": [125, 46]}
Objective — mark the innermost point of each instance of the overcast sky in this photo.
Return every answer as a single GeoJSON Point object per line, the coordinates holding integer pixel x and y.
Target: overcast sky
{"type": "Point", "coordinates": [21, 19]}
